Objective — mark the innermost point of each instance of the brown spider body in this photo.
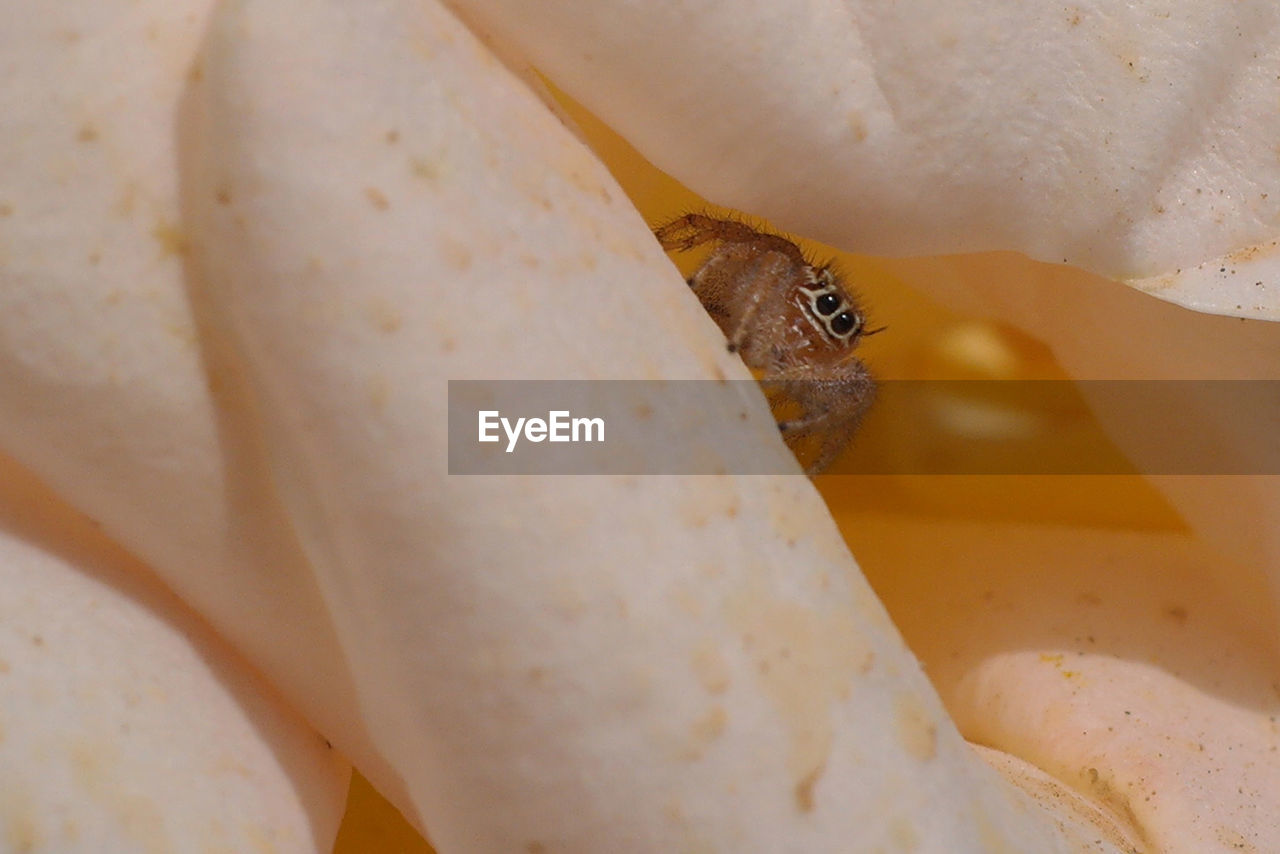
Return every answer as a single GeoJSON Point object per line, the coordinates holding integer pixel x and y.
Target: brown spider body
{"type": "Point", "coordinates": [792, 322]}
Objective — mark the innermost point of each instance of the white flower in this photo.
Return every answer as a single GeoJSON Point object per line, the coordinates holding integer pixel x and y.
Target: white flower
{"type": "Point", "coordinates": [244, 245]}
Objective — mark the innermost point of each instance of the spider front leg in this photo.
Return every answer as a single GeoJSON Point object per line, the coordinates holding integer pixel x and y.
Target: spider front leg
{"type": "Point", "coordinates": [685, 233]}
{"type": "Point", "coordinates": [832, 404]}
{"type": "Point", "coordinates": [693, 230]}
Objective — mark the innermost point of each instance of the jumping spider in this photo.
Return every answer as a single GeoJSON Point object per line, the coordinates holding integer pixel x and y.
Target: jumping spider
{"type": "Point", "coordinates": [793, 323]}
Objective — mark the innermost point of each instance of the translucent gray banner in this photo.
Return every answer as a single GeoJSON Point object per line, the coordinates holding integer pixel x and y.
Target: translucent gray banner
{"type": "Point", "coordinates": [914, 427]}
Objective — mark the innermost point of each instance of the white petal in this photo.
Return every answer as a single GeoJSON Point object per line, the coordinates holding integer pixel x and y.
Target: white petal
{"type": "Point", "coordinates": [1129, 139]}
{"type": "Point", "coordinates": [581, 663]}
{"type": "Point", "coordinates": [124, 724]}
{"type": "Point", "coordinates": [1137, 668]}
{"type": "Point", "coordinates": [108, 389]}
{"type": "Point", "coordinates": [1245, 283]}
{"type": "Point", "coordinates": [1096, 651]}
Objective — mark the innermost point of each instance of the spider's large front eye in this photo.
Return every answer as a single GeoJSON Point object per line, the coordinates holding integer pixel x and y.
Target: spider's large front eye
{"type": "Point", "coordinates": [827, 304]}
{"type": "Point", "coordinates": [842, 324]}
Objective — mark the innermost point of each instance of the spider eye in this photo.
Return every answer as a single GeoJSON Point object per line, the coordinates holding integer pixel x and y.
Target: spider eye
{"type": "Point", "coordinates": [827, 304]}
{"type": "Point", "coordinates": [843, 323]}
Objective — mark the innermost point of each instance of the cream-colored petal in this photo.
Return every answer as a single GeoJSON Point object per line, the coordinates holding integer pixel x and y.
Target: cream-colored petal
{"type": "Point", "coordinates": [109, 388]}
{"type": "Point", "coordinates": [560, 663]}
{"type": "Point", "coordinates": [1136, 668]}
{"type": "Point", "coordinates": [1128, 139]}
{"type": "Point", "coordinates": [125, 725]}
{"type": "Point", "coordinates": [1244, 283]}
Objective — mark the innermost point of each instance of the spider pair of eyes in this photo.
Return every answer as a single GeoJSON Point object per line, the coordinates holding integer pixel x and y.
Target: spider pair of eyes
{"type": "Point", "coordinates": [841, 324]}
{"type": "Point", "coordinates": [828, 304]}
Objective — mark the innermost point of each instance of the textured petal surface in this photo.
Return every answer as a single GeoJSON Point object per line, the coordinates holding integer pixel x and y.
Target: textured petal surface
{"type": "Point", "coordinates": [1243, 283]}
{"type": "Point", "coordinates": [125, 725]}
{"type": "Point", "coordinates": [1132, 140]}
{"type": "Point", "coordinates": [1137, 668]}
{"type": "Point", "coordinates": [589, 663]}
{"type": "Point", "coordinates": [1134, 667]}
{"type": "Point", "coordinates": [234, 287]}
{"type": "Point", "coordinates": [109, 390]}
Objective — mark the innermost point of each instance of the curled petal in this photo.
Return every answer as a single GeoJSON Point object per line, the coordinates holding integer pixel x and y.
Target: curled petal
{"type": "Point", "coordinates": [110, 390]}
{"type": "Point", "coordinates": [1131, 140]}
{"type": "Point", "coordinates": [125, 725]}
{"type": "Point", "coordinates": [577, 663]}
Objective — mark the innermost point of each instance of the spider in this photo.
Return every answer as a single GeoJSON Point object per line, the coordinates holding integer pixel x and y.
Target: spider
{"type": "Point", "coordinates": [795, 324]}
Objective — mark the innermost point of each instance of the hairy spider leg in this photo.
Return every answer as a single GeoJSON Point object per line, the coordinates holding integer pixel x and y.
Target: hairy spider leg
{"type": "Point", "coordinates": [693, 230]}
{"type": "Point", "coordinates": [766, 267]}
{"type": "Point", "coordinates": [854, 388]}
{"type": "Point", "coordinates": [854, 391]}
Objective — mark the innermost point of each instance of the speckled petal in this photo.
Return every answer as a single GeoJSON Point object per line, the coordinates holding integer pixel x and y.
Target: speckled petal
{"type": "Point", "coordinates": [1129, 139]}
{"type": "Point", "coordinates": [125, 724]}
{"type": "Point", "coordinates": [1134, 667]}
{"type": "Point", "coordinates": [571, 663]}
{"type": "Point", "coordinates": [109, 390]}
{"type": "Point", "coordinates": [1245, 283]}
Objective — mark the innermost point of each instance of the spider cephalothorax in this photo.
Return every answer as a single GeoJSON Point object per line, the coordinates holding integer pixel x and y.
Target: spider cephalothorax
{"type": "Point", "coordinates": [791, 321]}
